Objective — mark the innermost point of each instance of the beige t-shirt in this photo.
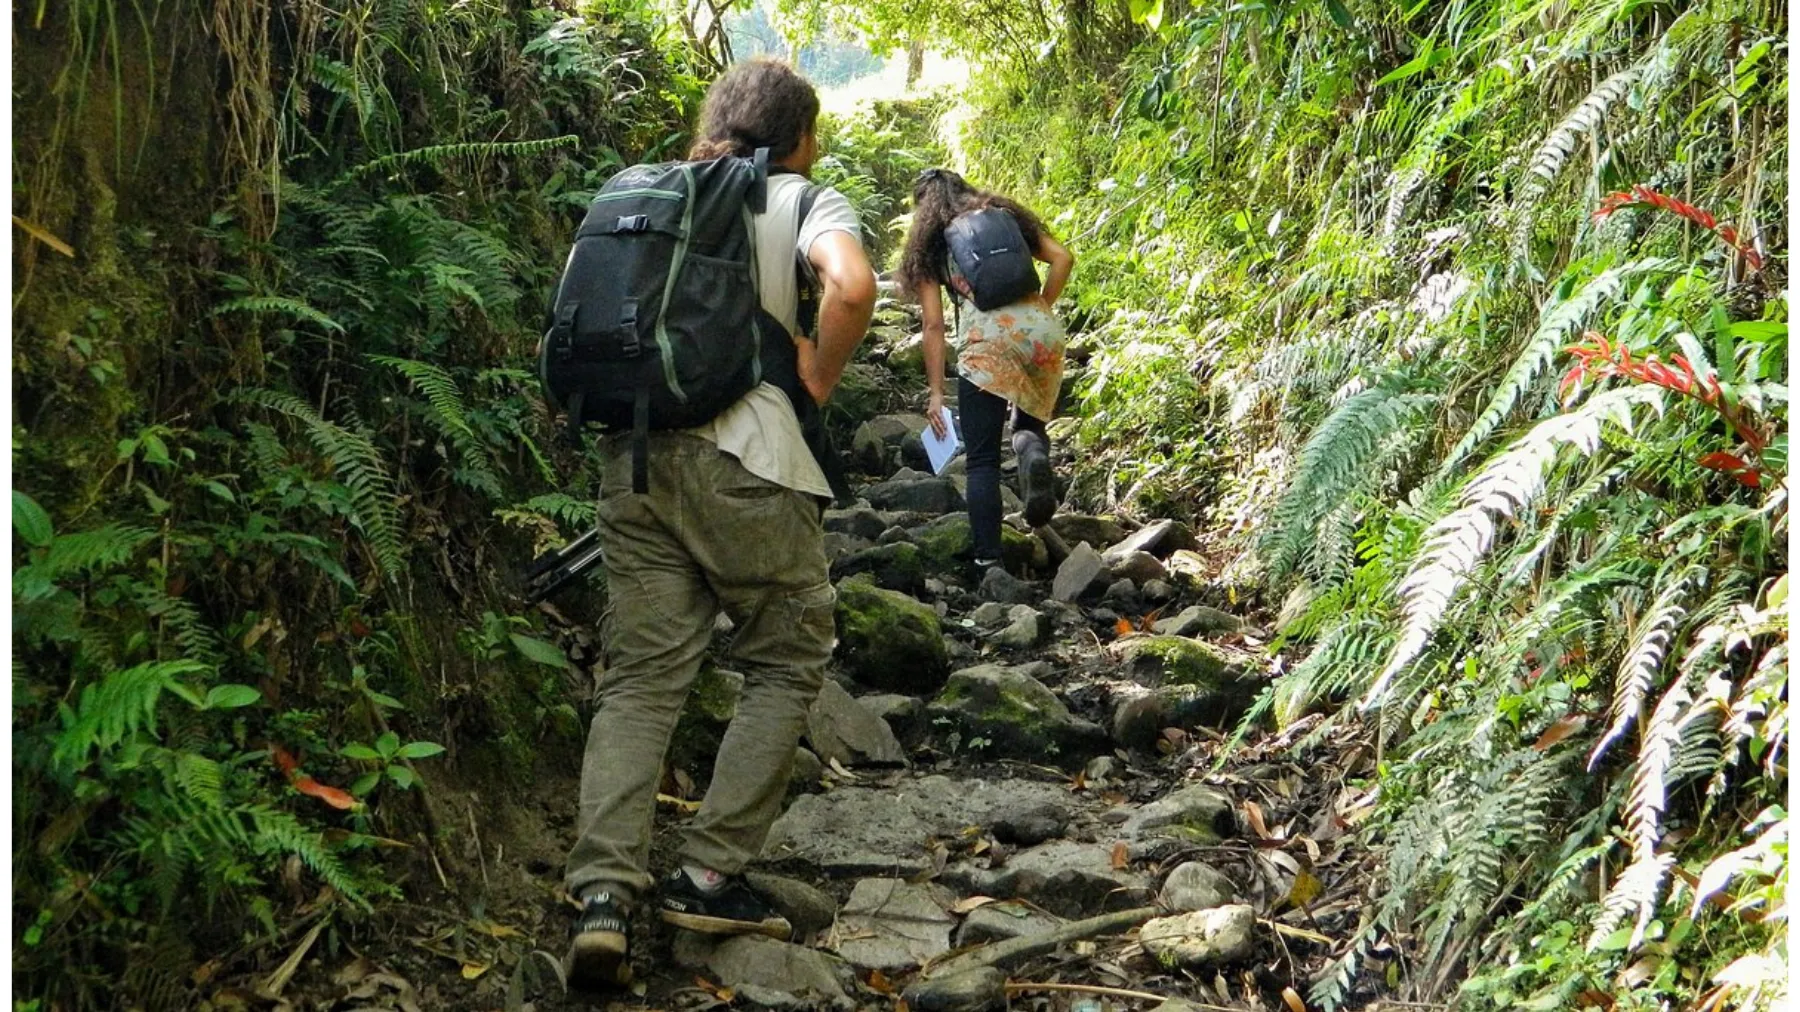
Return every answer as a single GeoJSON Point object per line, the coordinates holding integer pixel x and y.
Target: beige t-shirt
{"type": "Point", "coordinates": [760, 430]}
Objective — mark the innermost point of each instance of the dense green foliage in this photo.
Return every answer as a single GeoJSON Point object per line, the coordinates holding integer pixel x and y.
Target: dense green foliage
{"type": "Point", "coordinates": [1333, 259]}
{"type": "Point", "coordinates": [279, 451]}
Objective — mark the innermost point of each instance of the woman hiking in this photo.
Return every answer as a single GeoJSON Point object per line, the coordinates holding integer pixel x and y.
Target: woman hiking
{"type": "Point", "coordinates": [1012, 350]}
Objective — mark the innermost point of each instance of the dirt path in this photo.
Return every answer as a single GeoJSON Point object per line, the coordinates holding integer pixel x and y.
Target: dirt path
{"type": "Point", "coordinates": [994, 758]}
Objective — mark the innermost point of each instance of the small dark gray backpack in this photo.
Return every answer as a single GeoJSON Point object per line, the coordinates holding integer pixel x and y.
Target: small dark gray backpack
{"type": "Point", "coordinates": [990, 252]}
{"type": "Point", "coordinates": [657, 322]}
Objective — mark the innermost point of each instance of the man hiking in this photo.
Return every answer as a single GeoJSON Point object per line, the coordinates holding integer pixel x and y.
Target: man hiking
{"type": "Point", "coordinates": [722, 516]}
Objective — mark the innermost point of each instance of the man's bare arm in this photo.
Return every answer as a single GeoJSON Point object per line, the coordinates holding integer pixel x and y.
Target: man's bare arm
{"type": "Point", "coordinates": [845, 307]}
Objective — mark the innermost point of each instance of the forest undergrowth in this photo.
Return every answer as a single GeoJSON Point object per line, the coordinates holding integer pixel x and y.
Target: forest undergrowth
{"type": "Point", "coordinates": [1460, 326]}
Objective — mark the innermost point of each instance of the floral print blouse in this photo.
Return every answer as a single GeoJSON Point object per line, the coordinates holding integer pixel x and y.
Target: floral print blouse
{"type": "Point", "coordinates": [1015, 352]}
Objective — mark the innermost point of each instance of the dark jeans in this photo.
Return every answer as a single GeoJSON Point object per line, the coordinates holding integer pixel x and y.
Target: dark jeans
{"type": "Point", "coordinates": [983, 419]}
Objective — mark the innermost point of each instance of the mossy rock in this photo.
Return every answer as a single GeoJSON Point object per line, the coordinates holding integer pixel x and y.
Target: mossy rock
{"type": "Point", "coordinates": [889, 641]}
{"type": "Point", "coordinates": [946, 542]}
{"type": "Point", "coordinates": [899, 566]}
{"type": "Point", "coordinates": [1179, 660]}
{"type": "Point", "coordinates": [711, 704]}
{"type": "Point", "coordinates": [1000, 711]}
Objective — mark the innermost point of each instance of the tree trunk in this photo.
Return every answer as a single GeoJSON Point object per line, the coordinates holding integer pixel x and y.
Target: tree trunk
{"type": "Point", "coordinates": [915, 62]}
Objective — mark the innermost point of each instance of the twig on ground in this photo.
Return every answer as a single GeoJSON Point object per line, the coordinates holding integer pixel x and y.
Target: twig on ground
{"type": "Point", "coordinates": [1014, 987]}
{"type": "Point", "coordinates": [1001, 954]}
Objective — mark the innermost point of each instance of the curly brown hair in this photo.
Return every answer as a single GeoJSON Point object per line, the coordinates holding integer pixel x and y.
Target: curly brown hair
{"type": "Point", "coordinates": [939, 195]}
{"type": "Point", "coordinates": [759, 103]}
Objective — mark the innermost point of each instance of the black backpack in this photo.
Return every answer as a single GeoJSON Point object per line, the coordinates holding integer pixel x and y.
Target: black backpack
{"type": "Point", "coordinates": [990, 251]}
{"type": "Point", "coordinates": [657, 322]}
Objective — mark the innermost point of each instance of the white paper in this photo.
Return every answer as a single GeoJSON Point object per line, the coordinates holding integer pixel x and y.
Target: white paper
{"type": "Point", "coordinates": [941, 451]}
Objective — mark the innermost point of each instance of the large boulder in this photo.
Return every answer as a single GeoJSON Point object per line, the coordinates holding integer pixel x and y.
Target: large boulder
{"type": "Point", "coordinates": [922, 494]}
{"type": "Point", "coordinates": [1196, 886]}
{"type": "Point", "coordinates": [1199, 620]}
{"type": "Point", "coordinates": [809, 909]}
{"type": "Point", "coordinates": [1027, 627]}
{"type": "Point", "coordinates": [979, 990]}
{"type": "Point", "coordinates": [1196, 812]}
{"type": "Point", "coordinates": [1161, 539]}
{"type": "Point", "coordinates": [994, 922]}
{"type": "Point", "coordinates": [1075, 528]}
{"type": "Point", "coordinates": [859, 522]}
{"type": "Point", "coordinates": [711, 704]}
{"type": "Point", "coordinates": [873, 445]}
{"type": "Point", "coordinates": [1140, 715]}
{"type": "Point", "coordinates": [1067, 878]}
{"type": "Point", "coordinates": [897, 566]}
{"type": "Point", "coordinates": [1138, 567]}
{"type": "Point", "coordinates": [893, 925]}
{"type": "Point", "coordinates": [1082, 572]}
{"type": "Point", "coordinates": [887, 640]}
{"type": "Point", "coordinates": [1195, 682]}
{"type": "Point", "coordinates": [1201, 940]}
{"type": "Point", "coordinates": [999, 585]}
{"type": "Point", "coordinates": [757, 961]}
{"type": "Point", "coordinates": [839, 727]}
{"type": "Point", "coordinates": [1015, 716]}
{"type": "Point", "coordinates": [904, 714]}
{"type": "Point", "coordinates": [947, 541]}
{"type": "Point", "coordinates": [855, 831]}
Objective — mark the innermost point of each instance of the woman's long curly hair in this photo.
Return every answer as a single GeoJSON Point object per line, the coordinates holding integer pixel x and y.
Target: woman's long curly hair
{"type": "Point", "coordinates": [939, 196]}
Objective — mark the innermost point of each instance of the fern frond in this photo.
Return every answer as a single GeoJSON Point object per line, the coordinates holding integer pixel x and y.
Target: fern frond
{"type": "Point", "coordinates": [439, 389]}
{"type": "Point", "coordinates": [181, 618]}
{"type": "Point", "coordinates": [1554, 329]}
{"type": "Point", "coordinates": [117, 708]}
{"type": "Point", "coordinates": [98, 549]}
{"type": "Point", "coordinates": [357, 463]}
{"type": "Point", "coordinates": [436, 154]}
{"type": "Point", "coordinates": [278, 832]}
{"type": "Point", "coordinates": [1509, 482]}
{"type": "Point", "coordinates": [280, 305]}
{"type": "Point", "coordinates": [1650, 644]}
{"type": "Point", "coordinates": [1339, 456]}
{"type": "Point", "coordinates": [1548, 160]}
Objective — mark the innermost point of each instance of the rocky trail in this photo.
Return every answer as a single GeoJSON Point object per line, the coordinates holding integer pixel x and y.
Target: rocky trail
{"type": "Point", "coordinates": [1008, 791]}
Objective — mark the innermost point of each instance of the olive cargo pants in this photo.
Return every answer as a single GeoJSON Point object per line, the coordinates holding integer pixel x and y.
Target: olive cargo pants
{"type": "Point", "coordinates": [708, 536]}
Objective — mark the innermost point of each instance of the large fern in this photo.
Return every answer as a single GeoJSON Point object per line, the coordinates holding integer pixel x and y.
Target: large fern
{"type": "Point", "coordinates": [118, 707]}
{"type": "Point", "coordinates": [1554, 330]}
{"type": "Point", "coordinates": [1511, 481]}
{"type": "Point", "coordinates": [1342, 454]}
{"type": "Point", "coordinates": [357, 463]}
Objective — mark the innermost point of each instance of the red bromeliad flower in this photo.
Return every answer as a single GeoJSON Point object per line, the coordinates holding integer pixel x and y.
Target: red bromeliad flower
{"type": "Point", "coordinates": [1601, 359]}
{"type": "Point", "coordinates": [1643, 195]}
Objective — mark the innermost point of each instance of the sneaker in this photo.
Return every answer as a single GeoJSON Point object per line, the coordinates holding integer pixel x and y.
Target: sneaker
{"type": "Point", "coordinates": [731, 909]}
{"type": "Point", "coordinates": [1037, 485]}
{"type": "Point", "coordinates": [598, 946]}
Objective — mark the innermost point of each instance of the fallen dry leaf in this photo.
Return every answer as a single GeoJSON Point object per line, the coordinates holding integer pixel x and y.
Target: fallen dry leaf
{"type": "Point", "coordinates": [1572, 724]}
{"type": "Point", "coordinates": [1292, 998]}
{"type": "Point", "coordinates": [970, 903]}
{"type": "Point", "coordinates": [1253, 814]}
{"type": "Point", "coordinates": [1305, 889]}
{"type": "Point", "coordinates": [470, 971]}
{"type": "Point", "coordinates": [1121, 856]}
{"type": "Point", "coordinates": [879, 983]}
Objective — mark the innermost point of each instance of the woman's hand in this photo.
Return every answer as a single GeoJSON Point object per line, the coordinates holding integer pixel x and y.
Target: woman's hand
{"type": "Point", "coordinates": [934, 413]}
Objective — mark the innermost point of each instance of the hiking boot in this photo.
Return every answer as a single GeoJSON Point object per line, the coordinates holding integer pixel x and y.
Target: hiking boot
{"type": "Point", "coordinates": [731, 909]}
{"type": "Point", "coordinates": [1037, 484]}
{"type": "Point", "coordinates": [598, 946]}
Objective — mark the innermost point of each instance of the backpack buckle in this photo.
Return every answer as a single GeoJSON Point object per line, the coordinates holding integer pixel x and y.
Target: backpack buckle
{"type": "Point", "coordinates": [561, 337]}
{"type": "Point", "coordinates": [632, 223]}
{"type": "Point", "coordinates": [629, 346]}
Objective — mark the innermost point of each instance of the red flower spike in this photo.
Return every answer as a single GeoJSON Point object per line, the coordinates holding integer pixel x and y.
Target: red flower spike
{"type": "Point", "coordinates": [1642, 195]}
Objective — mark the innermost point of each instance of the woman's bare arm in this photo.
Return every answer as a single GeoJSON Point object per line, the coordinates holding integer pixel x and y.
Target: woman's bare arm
{"type": "Point", "coordinates": [1061, 262]}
